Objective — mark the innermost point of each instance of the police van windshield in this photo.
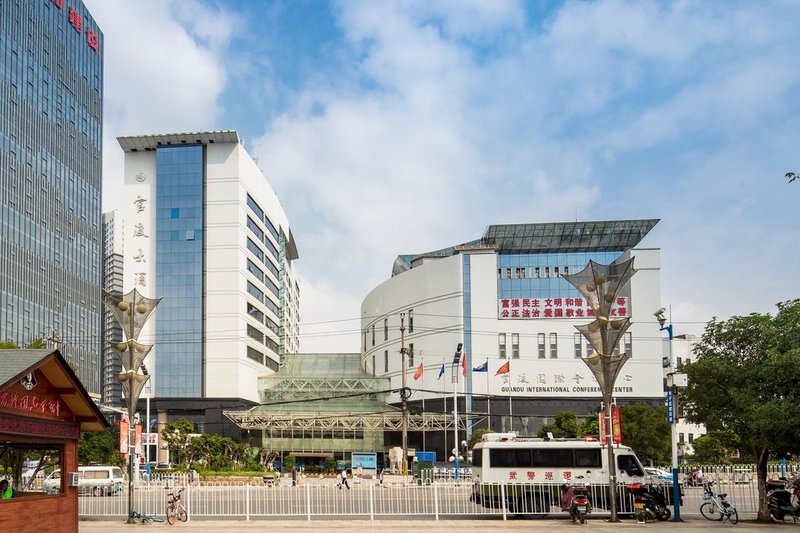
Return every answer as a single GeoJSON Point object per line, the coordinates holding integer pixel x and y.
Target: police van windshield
{"type": "Point", "coordinates": [629, 465]}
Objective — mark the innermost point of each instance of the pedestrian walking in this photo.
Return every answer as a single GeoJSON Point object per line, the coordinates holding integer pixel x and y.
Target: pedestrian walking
{"type": "Point", "coordinates": [344, 480]}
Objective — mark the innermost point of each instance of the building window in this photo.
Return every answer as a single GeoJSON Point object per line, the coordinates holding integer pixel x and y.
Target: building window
{"type": "Point", "coordinates": [254, 312]}
{"type": "Point", "coordinates": [578, 346]}
{"type": "Point", "coordinates": [373, 334]}
{"type": "Point", "coordinates": [536, 272]}
{"type": "Point", "coordinates": [365, 340]}
{"type": "Point", "coordinates": [520, 272]}
{"type": "Point", "coordinates": [553, 346]}
{"type": "Point", "coordinates": [386, 361]}
{"type": "Point", "coordinates": [508, 273]}
{"type": "Point", "coordinates": [501, 343]}
{"type": "Point", "coordinates": [386, 329]}
{"type": "Point", "coordinates": [411, 321]}
{"type": "Point", "coordinates": [566, 271]}
{"type": "Point", "coordinates": [555, 272]}
{"type": "Point", "coordinates": [255, 292]}
{"type": "Point", "coordinates": [374, 370]}
{"type": "Point", "coordinates": [681, 438]}
{"type": "Point", "coordinates": [547, 272]}
{"type": "Point", "coordinates": [411, 355]}
{"type": "Point", "coordinates": [255, 355]}
{"type": "Point", "coordinates": [255, 334]}
{"type": "Point", "coordinates": [499, 273]}
{"type": "Point", "coordinates": [691, 438]}
{"type": "Point", "coordinates": [515, 345]}
{"type": "Point", "coordinates": [540, 338]}
{"type": "Point", "coordinates": [629, 344]}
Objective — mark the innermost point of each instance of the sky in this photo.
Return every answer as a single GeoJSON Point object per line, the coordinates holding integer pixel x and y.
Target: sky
{"type": "Point", "coordinates": [389, 128]}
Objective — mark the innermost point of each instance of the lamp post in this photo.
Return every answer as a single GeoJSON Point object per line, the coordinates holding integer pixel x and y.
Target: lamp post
{"type": "Point", "coordinates": [404, 393]}
{"type": "Point", "coordinates": [131, 310]}
{"type": "Point", "coordinates": [456, 366]}
{"type": "Point", "coordinates": [672, 414]}
{"type": "Point", "coordinates": [601, 285]}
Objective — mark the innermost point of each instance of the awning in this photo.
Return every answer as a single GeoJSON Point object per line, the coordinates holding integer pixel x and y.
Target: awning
{"type": "Point", "coordinates": [311, 454]}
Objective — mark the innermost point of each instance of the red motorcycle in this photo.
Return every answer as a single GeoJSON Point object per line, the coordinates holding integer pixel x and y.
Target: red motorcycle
{"type": "Point", "coordinates": [576, 501]}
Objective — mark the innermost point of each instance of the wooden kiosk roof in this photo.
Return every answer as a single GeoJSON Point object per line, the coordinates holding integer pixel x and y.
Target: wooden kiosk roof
{"type": "Point", "coordinates": [16, 364]}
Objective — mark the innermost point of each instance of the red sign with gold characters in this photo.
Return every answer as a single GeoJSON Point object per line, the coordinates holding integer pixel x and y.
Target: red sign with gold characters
{"type": "Point", "coordinates": [535, 308]}
{"type": "Point", "coordinates": [616, 423]}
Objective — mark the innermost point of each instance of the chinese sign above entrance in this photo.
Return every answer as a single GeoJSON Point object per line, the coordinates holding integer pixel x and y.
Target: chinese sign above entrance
{"type": "Point", "coordinates": [533, 308]}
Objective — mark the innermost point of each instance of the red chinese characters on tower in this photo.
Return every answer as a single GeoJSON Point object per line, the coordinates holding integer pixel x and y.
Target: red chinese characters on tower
{"type": "Point", "coordinates": [59, 4]}
{"type": "Point", "coordinates": [76, 20]}
{"type": "Point", "coordinates": [92, 40]}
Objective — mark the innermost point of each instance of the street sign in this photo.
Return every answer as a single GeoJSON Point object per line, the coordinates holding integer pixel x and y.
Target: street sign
{"type": "Point", "coordinates": [670, 407]}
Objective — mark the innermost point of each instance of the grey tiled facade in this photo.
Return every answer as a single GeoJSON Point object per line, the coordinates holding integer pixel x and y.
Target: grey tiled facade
{"type": "Point", "coordinates": [51, 111]}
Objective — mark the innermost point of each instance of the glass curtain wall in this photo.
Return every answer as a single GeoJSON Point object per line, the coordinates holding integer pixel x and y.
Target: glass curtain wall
{"type": "Point", "coordinates": [179, 268]}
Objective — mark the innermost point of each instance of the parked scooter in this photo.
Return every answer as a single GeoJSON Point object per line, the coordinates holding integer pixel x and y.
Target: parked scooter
{"type": "Point", "coordinates": [649, 502]}
{"type": "Point", "coordinates": [783, 502]}
{"type": "Point", "coordinates": [575, 500]}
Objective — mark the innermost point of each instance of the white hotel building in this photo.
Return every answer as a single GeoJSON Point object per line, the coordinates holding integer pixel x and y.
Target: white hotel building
{"type": "Point", "coordinates": [208, 235]}
{"type": "Point", "coordinates": [503, 297]}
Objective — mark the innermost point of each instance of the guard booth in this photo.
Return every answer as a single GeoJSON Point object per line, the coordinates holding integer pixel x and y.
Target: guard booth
{"type": "Point", "coordinates": [43, 409]}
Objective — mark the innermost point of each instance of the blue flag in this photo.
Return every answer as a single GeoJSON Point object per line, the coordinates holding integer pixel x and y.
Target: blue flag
{"type": "Point", "coordinates": [482, 368]}
{"type": "Point", "coordinates": [441, 372]}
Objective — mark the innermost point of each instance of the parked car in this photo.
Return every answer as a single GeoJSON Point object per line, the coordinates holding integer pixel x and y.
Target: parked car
{"type": "Point", "coordinates": [658, 475]}
{"type": "Point", "coordinates": [95, 480]}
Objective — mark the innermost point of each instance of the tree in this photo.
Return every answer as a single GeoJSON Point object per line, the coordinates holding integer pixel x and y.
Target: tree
{"type": "Point", "coordinates": [100, 448]}
{"type": "Point", "coordinates": [715, 447]}
{"type": "Point", "coordinates": [791, 176]}
{"type": "Point", "coordinates": [565, 425]}
{"type": "Point", "coordinates": [645, 429]}
{"type": "Point", "coordinates": [744, 380]}
{"type": "Point", "coordinates": [176, 435]}
{"type": "Point", "coordinates": [8, 345]}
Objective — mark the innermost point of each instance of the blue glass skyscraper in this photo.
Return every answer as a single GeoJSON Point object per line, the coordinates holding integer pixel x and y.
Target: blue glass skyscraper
{"type": "Point", "coordinates": [51, 112]}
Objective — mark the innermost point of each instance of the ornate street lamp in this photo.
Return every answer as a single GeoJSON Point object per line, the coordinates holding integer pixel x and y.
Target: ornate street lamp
{"type": "Point", "coordinates": [131, 310]}
{"type": "Point", "coordinates": [601, 285]}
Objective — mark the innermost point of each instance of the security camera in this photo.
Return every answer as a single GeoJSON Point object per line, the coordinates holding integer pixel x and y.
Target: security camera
{"type": "Point", "coordinates": [660, 312]}
{"type": "Point", "coordinates": [661, 316]}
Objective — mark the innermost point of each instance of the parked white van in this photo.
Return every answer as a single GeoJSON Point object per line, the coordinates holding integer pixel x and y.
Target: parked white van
{"type": "Point", "coordinates": [97, 480]}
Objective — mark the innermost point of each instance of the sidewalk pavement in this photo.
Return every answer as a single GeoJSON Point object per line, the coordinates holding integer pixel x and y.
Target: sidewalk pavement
{"type": "Point", "coordinates": [420, 525]}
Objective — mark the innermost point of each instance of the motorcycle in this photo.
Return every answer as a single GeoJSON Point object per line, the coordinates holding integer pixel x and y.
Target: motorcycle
{"type": "Point", "coordinates": [783, 502]}
{"type": "Point", "coordinates": [576, 501]}
{"type": "Point", "coordinates": [695, 478]}
{"type": "Point", "coordinates": [649, 502]}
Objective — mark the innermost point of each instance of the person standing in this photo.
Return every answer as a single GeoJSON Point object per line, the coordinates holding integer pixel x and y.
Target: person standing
{"type": "Point", "coordinates": [6, 492]}
{"type": "Point", "coordinates": [344, 480]}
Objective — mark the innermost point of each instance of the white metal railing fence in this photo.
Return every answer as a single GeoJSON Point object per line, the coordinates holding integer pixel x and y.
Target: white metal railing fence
{"type": "Point", "coordinates": [370, 499]}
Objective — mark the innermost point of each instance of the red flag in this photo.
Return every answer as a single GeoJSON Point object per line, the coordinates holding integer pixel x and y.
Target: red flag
{"type": "Point", "coordinates": [602, 426]}
{"type": "Point", "coordinates": [418, 373]}
{"type": "Point", "coordinates": [464, 365]}
{"type": "Point", "coordinates": [137, 438]}
{"type": "Point", "coordinates": [505, 369]}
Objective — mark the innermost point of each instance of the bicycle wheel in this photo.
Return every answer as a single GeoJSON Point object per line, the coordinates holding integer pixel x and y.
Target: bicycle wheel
{"type": "Point", "coordinates": [710, 511]}
{"type": "Point", "coordinates": [170, 514]}
{"type": "Point", "coordinates": [183, 516]}
{"type": "Point", "coordinates": [733, 515]}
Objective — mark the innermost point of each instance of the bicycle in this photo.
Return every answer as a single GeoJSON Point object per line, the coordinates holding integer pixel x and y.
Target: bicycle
{"type": "Point", "coordinates": [144, 518]}
{"type": "Point", "coordinates": [717, 507]}
{"type": "Point", "coordinates": [175, 508]}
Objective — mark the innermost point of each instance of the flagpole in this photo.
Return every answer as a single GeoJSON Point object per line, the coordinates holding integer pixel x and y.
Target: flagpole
{"type": "Point", "coordinates": [422, 362]}
{"type": "Point", "coordinates": [510, 414]}
{"type": "Point", "coordinates": [488, 397]}
{"type": "Point", "coordinates": [444, 426]}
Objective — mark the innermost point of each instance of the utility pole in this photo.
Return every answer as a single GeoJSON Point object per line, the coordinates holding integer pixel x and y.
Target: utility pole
{"type": "Point", "coordinates": [404, 393]}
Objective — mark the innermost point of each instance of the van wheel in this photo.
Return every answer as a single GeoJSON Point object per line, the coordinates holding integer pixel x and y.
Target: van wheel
{"type": "Point", "coordinates": [97, 491]}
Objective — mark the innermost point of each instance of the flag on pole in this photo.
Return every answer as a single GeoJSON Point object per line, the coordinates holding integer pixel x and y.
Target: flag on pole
{"type": "Point", "coordinates": [464, 365]}
{"type": "Point", "coordinates": [482, 368]}
{"type": "Point", "coordinates": [418, 373]}
{"type": "Point", "coordinates": [441, 372]}
{"type": "Point", "coordinates": [505, 369]}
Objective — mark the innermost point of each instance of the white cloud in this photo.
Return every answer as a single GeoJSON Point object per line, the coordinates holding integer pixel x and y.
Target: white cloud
{"type": "Point", "coordinates": [159, 76]}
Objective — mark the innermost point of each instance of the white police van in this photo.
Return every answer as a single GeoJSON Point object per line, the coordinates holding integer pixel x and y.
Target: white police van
{"type": "Point", "coordinates": [531, 470]}
{"type": "Point", "coordinates": [97, 480]}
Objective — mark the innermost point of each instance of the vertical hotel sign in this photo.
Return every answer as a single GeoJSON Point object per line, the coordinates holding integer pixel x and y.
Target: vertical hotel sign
{"type": "Point", "coordinates": [76, 20]}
